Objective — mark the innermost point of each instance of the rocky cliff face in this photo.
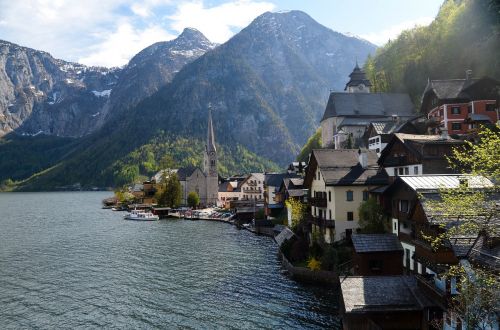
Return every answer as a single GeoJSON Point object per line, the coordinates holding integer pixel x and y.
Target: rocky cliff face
{"type": "Point", "coordinates": [267, 85]}
{"type": "Point", "coordinates": [154, 67]}
{"type": "Point", "coordinates": [41, 94]}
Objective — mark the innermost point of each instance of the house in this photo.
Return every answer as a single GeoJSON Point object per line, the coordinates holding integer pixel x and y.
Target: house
{"type": "Point", "coordinates": [229, 191]}
{"type": "Point", "coordinates": [252, 188]}
{"type": "Point", "coordinates": [347, 114]}
{"type": "Point", "coordinates": [273, 205]}
{"type": "Point", "coordinates": [377, 254]}
{"type": "Point", "coordinates": [411, 154]}
{"type": "Point", "coordinates": [408, 201]}
{"type": "Point", "coordinates": [338, 182]}
{"type": "Point", "coordinates": [451, 102]}
{"type": "Point", "coordinates": [378, 133]}
{"type": "Point", "coordinates": [291, 188]}
{"type": "Point", "coordinates": [384, 302]}
{"type": "Point", "coordinates": [144, 193]}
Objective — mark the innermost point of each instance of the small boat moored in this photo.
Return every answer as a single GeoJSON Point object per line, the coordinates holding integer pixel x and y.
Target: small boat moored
{"type": "Point", "coordinates": [139, 215]}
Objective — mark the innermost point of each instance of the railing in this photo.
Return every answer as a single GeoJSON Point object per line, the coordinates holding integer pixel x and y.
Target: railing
{"type": "Point", "coordinates": [427, 285]}
{"type": "Point", "coordinates": [252, 191]}
{"type": "Point", "coordinates": [318, 201]}
{"type": "Point", "coordinates": [324, 223]}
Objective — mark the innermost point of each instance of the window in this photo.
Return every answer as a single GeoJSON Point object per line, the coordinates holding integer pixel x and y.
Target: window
{"type": "Point", "coordinates": [350, 216]}
{"type": "Point", "coordinates": [212, 162]}
{"type": "Point", "coordinates": [377, 150]}
{"type": "Point", "coordinates": [395, 226]}
{"type": "Point", "coordinates": [455, 110]}
{"type": "Point", "coordinates": [469, 109]}
{"type": "Point", "coordinates": [329, 196]}
{"type": "Point", "coordinates": [349, 196]}
{"type": "Point", "coordinates": [375, 265]}
{"type": "Point", "coordinates": [395, 172]}
{"type": "Point", "coordinates": [456, 126]}
{"type": "Point", "coordinates": [407, 171]}
{"type": "Point", "coordinates": [330, 213]}
{"type": "Point", "coordinates": [365, 195]}
{"type": "Point", "coordinates": [401, 169]}
{"type": "Point", "coordinates": [415, 170]}
{"type": "Point", "coordinates": [490, 107]}
{"type": "Point", "coordinates": [403, 205]}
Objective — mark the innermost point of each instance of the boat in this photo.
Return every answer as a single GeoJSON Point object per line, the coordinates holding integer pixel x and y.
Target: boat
{"type": "Point", "coordinates": [140, 215]}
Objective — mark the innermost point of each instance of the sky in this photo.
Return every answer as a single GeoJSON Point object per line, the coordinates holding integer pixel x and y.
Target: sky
{"type": "Point", "coordinates": [110, 32]}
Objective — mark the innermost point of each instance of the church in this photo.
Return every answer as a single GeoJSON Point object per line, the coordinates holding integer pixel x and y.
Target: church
{"type": "Point", "coordinates": [204, 182]}
{"type": "Point", "coordinates": [348, 113]}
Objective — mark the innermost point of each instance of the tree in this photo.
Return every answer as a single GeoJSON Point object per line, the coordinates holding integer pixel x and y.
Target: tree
{"type": "Point", "coordinates": [468, 210]}
{"type": "Point", "coordinates": [299, 211]}
{"type": "Point", "coordinates": [169, 191]}
{"type": "Point", "coordinates": [193, 200]}
{"type": "Point", "coordinates": [371, 217]}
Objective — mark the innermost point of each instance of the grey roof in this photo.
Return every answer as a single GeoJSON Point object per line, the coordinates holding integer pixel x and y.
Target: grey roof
{"type": "Point", "coordinates": [484, 254]}
{"type": "Point", "coordinates": [388, 126]}
{"type": "Point", "coordinates": [436, 182]}
{"type": "Point", "coordinates": [357, 76]}
{"type": "Point", "coordinates": [376, 243]}
{"type": "Point", "coordinates": [275, 179]}
{"type": "Point", "coordinates": [368, 104]}
{"type": "Point", "coordinates": [450, 88]}
{"type": "Point", "coordinates": [381, 294]}
{"type": "Point", "coordinates": [184, 172]}
{"type": "Point", "coordinates": [284, 235]}
{"type": "Point", "coordinates": [340, 167]}
{"type": "Point", "coordinates": [461, 245]}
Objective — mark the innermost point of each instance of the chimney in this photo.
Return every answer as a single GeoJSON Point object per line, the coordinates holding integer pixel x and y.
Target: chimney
{"type": "Point", "coordinates": [468, 74]}
{"type": "Point", "coordinates": [363, 158]}
{"type": "Point", "coordinates": [444, 133]}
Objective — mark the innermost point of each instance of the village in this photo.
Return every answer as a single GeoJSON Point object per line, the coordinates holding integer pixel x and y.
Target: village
{"type": "Point", "coordinates": [368, 213]}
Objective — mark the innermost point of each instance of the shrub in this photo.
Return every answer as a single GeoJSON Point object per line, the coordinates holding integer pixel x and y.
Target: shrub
{"type": "Point", "coordinates": [329, 258]}
{"type": "Point", "coordinates": [314, 264]}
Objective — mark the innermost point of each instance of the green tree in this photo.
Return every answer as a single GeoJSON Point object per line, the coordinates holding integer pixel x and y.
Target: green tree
{"type": "Point", "coordinates": [468, 210]}
{"type": "Point", "coordinates": [371, 217]}
{"type": "Point", "coordinates": [314, 142]}
{"type": "Point", "coordinates": [193, 200]}
{"type": "Point", "coordinates": [169, 192]}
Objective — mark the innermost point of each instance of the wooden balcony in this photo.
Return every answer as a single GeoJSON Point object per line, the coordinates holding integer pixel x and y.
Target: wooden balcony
{"type": "Point", "coordinates": [318, 201]}
{"type": "Point", "coordinates": [425, 254]}
{"type": "Point", "coordinates": [323, 223]}
{"type": "Point", "coordinates": [428, 287]}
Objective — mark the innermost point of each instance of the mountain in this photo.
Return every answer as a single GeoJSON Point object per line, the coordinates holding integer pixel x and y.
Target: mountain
{"type": "Point", "coordinates": [41, 94]}
{"type": "Point", "coordinates": [267, 87]}
{"type": "Point", "coordinates": [54, 97]}
{"type": "Point", "coordinates": [464, 35]}
{"type": "Point", "coordinates": [153, 67]}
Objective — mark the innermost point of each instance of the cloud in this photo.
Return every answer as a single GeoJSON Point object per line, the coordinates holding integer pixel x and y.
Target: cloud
{"type": "Point", "coordinates": [217, 23]}
{"type": "Point", "coordinates": [116, 49]}
{"type": "Point", "coordinates": [381, 37]}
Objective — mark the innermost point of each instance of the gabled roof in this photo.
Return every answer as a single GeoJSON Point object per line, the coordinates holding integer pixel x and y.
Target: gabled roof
{"type": "Point", "coordinates": [368, 104]}
{"type": "Point", "coordinates": [275, 179]}
{"type": "Point", "coordinates": [376, 243]}
{"type": "Point", "coordinates": [185, 172]}
{"type": "Point", "coordinates": [340, 167]}
{"type": "Point", "coordinates": [486, 253]}
{"type": "Point", "coordinates": [449, 88]}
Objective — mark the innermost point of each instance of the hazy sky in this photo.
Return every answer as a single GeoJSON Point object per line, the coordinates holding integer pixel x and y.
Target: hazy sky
{"type": "Point", "coordinates": [110, 32]}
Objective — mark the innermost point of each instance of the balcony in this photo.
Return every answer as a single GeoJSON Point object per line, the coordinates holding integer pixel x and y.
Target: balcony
{"type": "Point", "coordinates": [426, 255]}
{"type": "Point", "coordinates": [427, 285]}
{"type": "Point", "coordinates": [318, 201]}
{"type": "Point", "coordinates": [252, 191]}
{"type": "Point", "coordinates": [323, 223]}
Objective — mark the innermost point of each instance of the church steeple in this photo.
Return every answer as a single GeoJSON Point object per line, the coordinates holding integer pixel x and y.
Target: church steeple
{"type": "Point", "coordinates": [358, 83]}
{"type": "Point", "coordinates": [210, 133]}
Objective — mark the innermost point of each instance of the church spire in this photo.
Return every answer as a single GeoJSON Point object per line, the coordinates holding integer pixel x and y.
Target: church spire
{"type": "Point", "coordinates": [210, 133]}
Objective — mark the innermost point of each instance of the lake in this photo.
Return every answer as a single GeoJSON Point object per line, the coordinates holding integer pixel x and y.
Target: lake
{"type": "Point", "coordinates": [67, 263]}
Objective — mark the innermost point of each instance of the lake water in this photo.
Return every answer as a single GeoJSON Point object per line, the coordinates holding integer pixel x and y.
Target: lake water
{"type": "Point", "coordinates": [67, 263]}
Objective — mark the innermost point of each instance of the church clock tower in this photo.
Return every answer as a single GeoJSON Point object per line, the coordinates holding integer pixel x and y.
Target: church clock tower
{"type": "Point", "coordinates": [210, 164]}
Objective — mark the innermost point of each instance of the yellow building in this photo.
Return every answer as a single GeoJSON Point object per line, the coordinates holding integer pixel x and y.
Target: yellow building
{"type": "Point", "coordinates": [338, 182]}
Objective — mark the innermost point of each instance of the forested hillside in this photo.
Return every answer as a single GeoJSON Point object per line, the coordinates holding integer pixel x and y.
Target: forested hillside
{"type": "Point", "coordinates": [464, 35]}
